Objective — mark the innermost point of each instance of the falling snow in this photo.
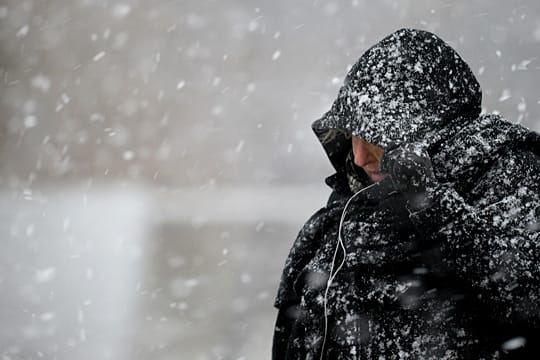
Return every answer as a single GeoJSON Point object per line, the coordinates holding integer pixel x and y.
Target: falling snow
{"type": "Point", "coordinates": [157, 162]}
{"type": "Point", "coordinates": [99, 56]}
{"type": "Point", "coordinates": [121, 10]}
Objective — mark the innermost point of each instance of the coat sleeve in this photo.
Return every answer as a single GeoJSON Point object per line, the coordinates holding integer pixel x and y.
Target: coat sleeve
{"type": "Point", "coordinates": [494, 245]}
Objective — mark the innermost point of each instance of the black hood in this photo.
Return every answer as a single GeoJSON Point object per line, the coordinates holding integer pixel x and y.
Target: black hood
{"type": "Point", "coordinates": [404, 89]}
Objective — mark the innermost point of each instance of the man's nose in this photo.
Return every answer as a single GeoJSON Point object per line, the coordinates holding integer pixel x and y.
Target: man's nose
{"type": "Point", "coordinates": [361, 155]}
{"type": "Point", "coordinates": [361, 160]}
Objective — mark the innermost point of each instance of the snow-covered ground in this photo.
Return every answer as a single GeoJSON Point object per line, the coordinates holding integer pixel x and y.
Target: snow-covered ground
{"type": "Point", "coordinates": [130, 272]}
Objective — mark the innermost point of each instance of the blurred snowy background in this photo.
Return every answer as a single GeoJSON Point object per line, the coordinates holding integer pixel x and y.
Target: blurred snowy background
{"type": "Point", "coordinates": [157, 160]}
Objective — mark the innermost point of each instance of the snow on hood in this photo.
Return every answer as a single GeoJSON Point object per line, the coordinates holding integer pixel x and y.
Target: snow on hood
{"type": "Point", "coordinates": [404, 89]}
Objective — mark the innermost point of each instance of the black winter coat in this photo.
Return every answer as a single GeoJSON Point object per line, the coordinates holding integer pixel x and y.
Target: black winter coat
{"type": "Point", "coordinates": [459, 279]}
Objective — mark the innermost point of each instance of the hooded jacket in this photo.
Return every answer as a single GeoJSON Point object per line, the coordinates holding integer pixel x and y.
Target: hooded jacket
{"type": "Point", "coordinates": [459, 279]}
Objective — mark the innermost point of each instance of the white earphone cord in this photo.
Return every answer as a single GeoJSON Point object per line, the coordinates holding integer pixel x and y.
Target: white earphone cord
{"type": "Point", "coordinates": [332, 274]}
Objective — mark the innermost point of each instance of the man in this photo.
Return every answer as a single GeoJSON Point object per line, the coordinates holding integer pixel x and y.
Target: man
{"type": "Point", "coordinates": [429, 245]}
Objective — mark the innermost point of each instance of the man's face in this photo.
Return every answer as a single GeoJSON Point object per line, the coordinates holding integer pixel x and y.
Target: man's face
{"type": "Point", "coordinates": [368, 157]}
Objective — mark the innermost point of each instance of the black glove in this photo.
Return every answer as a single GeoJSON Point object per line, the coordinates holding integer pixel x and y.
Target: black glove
{"type": "Point", "coordinates": [410, 169]}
